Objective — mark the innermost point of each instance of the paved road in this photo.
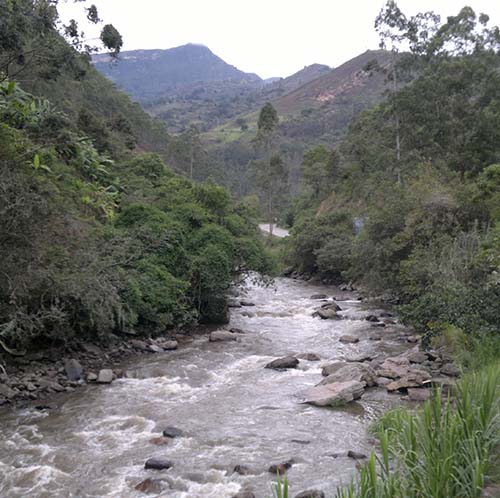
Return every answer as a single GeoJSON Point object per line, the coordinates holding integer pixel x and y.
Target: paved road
{"type": "Point", "coordinates": [277, 232]}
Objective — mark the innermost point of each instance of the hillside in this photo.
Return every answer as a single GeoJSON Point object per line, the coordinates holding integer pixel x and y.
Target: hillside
{"type": "Point", "coordinates": [318, 112]}
{"type": "Point", "coordinates": [147, 75]}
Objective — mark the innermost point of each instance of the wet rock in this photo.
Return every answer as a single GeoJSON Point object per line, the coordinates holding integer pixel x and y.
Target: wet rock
{"type": "Point", "coordinates": [308, 357]}
{"type": "Point", "coordinates": [154, 348]}
{"type": "Point", "coordinates": [327, 314]}
{"type": "Point", "coordinates": [243, 470]}
{"type": "Point", "coordinates": [395, 367]}
{"type": "Point", "coordinates": [378, 325]}
{"type": "Point", "coordinates": [235, 330]}
{"type": "Point", "coordinates": [335, 394]}
{"type": "Point", "coordinates": [417, 357]}
{"type": "Point", "coordinates": [169, 345]}
{"type": "Point", "coordinates": [150, 486]}
{"type": "Point", "coordinates": [355, 455]}
{"type": "Point", "coordinates": [73, 369]}
{"type": "Point", "coordinates": [139, 345]}
{"type": "Point", "coordinates": [412, 339]}
{"type": "Point", "coordinates": [332, 368]}
{"type": "Point", "coordinates": [421, 394]}
{"type": "Point", "coordinates": [91, 349]}
{"type": "Point", "coordinates": [172, 432]}
{"type": "Point", "coordinates": [372, 318]}
{"type": "Point", "coordinates": [331, 306]}
{"type": "Point", "coordinates": [158, 464]}
{"type": "Point", "coordinates": [386, 314]}
{"type": "Point", "coordinates": [401, 384]}
{"type": "Point", "coordinates": [382, 381]}
{"type": "Point", "coordinates": [301, 441]}
{"type": "Point", "coordinates": [285, 362]}
{"type": "Point", "coordinates": [50, 385]}
{"type": "Point", "coordinates": [222, 336]}
{"type": "Point", "coordinates": [359, 372]}
{"type": "Point", "coordinates": [91, 377]}
{"type": "Point", "coordinates": [244, 493]}
{"type": "Point", "coordinates": [348, 339]}
{"type": "Point", "coordinates": [6, 392]}
{"type": "Point", "coordinates": [246, 303]}
{"type": "Point", "coordinates": [281, 468]}
{"type": "Point", "coordinates": [451, 370]}
{"type": "Point", "coordinates": [359, 358]}
{"type": "Point", "coordinates": [233, 303]}
{"type": "Point", "coordinates": [160, 441]}
{"type": "Point", "coordinates": [319, 296]}
{"type": "Point", "coordinates": [311, 493]}
{"type": "Point", "coordinates": [105, 376]}
{"type": "Point", "coordinates": [248, 314]}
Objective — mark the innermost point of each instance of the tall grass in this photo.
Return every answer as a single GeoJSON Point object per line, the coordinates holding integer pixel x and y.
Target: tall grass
{"type": "Point", "coordinates": [441, 451]}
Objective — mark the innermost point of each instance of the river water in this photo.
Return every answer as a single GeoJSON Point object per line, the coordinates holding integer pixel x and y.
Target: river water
{"type": "Point", "coordinates": [233, 411]}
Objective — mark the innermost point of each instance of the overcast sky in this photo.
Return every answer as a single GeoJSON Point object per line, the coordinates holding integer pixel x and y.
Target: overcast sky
{"type": "Point", "coordinates": [267, 37]}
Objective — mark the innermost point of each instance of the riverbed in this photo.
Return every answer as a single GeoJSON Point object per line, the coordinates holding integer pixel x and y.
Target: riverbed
{"type": "Point", "coordinates": [231, 409]}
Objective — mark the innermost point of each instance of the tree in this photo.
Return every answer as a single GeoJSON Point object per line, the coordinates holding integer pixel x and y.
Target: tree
{"type": "Point", "coordinates": [31, 30]}
{"type": "Point", "coordinates": [319, 168]}
{"type": "Point", "coordinates": [272, 173]}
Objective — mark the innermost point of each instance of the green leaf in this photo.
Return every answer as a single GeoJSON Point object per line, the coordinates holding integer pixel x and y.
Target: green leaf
{"type": "Point", "coordinates": [11, 87]}
{"type": "Point", "coordinates": [36, 161]}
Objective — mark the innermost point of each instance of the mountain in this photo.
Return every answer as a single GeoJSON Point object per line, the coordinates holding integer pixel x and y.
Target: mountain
{"type": "Point", "coordinates": [147, 75]}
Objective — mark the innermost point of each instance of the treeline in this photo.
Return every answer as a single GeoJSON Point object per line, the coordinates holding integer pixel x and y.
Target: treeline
{"type": "Point", "coordinates": [98, 235]}
{"type": "Point", "coordinates": [409, 204]}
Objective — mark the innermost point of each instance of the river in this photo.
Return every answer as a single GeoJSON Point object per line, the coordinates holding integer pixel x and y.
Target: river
{"type": "Point", "coordinates": [233, 411]}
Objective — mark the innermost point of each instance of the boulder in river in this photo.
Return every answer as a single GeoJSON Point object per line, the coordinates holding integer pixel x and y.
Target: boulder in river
{"type": "Point", "coordinates": [105, 376]}
{"type": "Point", "coordinates": [359, 372]}
{"type": "Point", "coordinates": [332, 368]}
{"type": "Point", "coordinates": [281, 468]}
{"type": "Point", "coordinates": [150, 486]}
{"type": "Point", "coordinates": [319, 296]}
{"type": "Point", "coordinates": [356, 455]}
{"type": "Point", "coordinates": [372, 318]}
{"type": "Point", "coordinates": [73, 369]}
{"type": "Point", "coordinates": [243, 470]}
{"type": "Point", "coordinates": [349, 339]}
{"type": "Point", "coordinates": [222, 336]}
{"type": "Point", "coordinates": [327, 314]}
{"type": "Point", "coordinates": [311, 493]}
{"type": "Point", "coordinates": [335, 394]}
{"type": "Point", "coordinates": [172, 432]}
{"type": "Point", "coordinates": [285, 362]}
{"type": "Point", "coordinates": [331, 305]}
{"type": "Point", "coordinates": [243, 302]}
{"type": "Point", "coordinates": [158, 464]}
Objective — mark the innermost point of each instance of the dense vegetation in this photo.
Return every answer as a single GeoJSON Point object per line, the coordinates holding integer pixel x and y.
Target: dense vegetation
{"type": "Point", "coordinates": [408, 204]}
{"type": "Point", "coordinates": [99, 236]}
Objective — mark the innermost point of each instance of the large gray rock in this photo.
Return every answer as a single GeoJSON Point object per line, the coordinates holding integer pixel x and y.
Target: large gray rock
{"type": "Point", "coordinates": [6, 392]}
{"type": "Point", "coordinates": [332, 368]}
{"type": "Point", "coordinates": [395, 367]}
{"type": "Point", "coordinates": [281, 468]}
{"type": "Point", "coordinates": [222, 336]}
{"type": "Point", "coordinates": [169, 345]}
{"type": "Point", "coordinates": [73, 369]}
{"type": "Point", "coordinates": [327, 314]}
{"type": "Point", "coordinates": [335, 394]}
{"type": "Point", "coordinates": [105, 376]}
{"type": "Point", "coordinates": [172, 432]}
{"type": "Point", "coordinates": [285, 362]}
{"type": "Point", "coordinates": [359, 372]}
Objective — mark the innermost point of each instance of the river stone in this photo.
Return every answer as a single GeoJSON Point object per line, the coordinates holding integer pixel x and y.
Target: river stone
{"type": "Point", "coordinates": [91, 377]}
{"type": "Point", "coordinates": [222, 336]}
{"type": "Point", "coordinates": [105, 376]}
{"type": "Point", "coordinates": [319, 296]}
{"type": "Point", "coordinates": [140, 345]}
{"type": "Point", "coordinates": [154, 348]}
{"type": "Point", "coordinates": [158, 464]}
{"type": "Point", "coordinates": [348, 339]}
{"type": "Point", "coordinates": [233, 303]}
{"type": "Point", "coordinates": [246, 303]}
{"type": "Point", "coordinates": [50, 385]}
{"type": "Point", "coordinates": [150, 486]}
{"type": "Point", "coordinates": [359, 372]}
{"type": "Point", "coordinates": [172, 432]}
{"type": "Point", "coordinates": [332, 368]}
{"type": "Point", "coordinates": [395, 367]}
{"type": "Point", "coordinates": [337, 393]}
{"type": "Point", "coordinates": [401, 384]}
{"type": "Point", "coordinates": [285, 362]}
{"type": "Point", "coordinates": [383, 381]}
{"type": "Point", "coordinates": [235, 330]}
{"type": "Point", "coordinates": [169, 345]}
{"type": "Point", "coordinates": [419, 394]}
{"type": "Point", "coordinates": [280, 468]}
{"type": "Point", "coordinates": [356, 455]}
{"type": "Point", "coordinates": [243, 470]}
{"type": "Point", "coordinates": [326, 314]}
{"type": "Point", "coordinates": [6, 391]}
{"type": "Point", "coordinates": [451, 370]}
{"type": "Point", "coordinates": [311, 493]}
{"type": "Point", "coordinates": [308, 357]}
{"type": "Point", "coordinates": [244, 493]}
{"type": "Point", "coordinates": [417, 357]}
{"type": "Point", "coordinates": [359, 358]}
{"type": "Point", "coordinates": [73, 369]}
{"type": "Point", "coordinates": [331, 306]}
{"type": "Point", "coordinates": [372, 318]}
